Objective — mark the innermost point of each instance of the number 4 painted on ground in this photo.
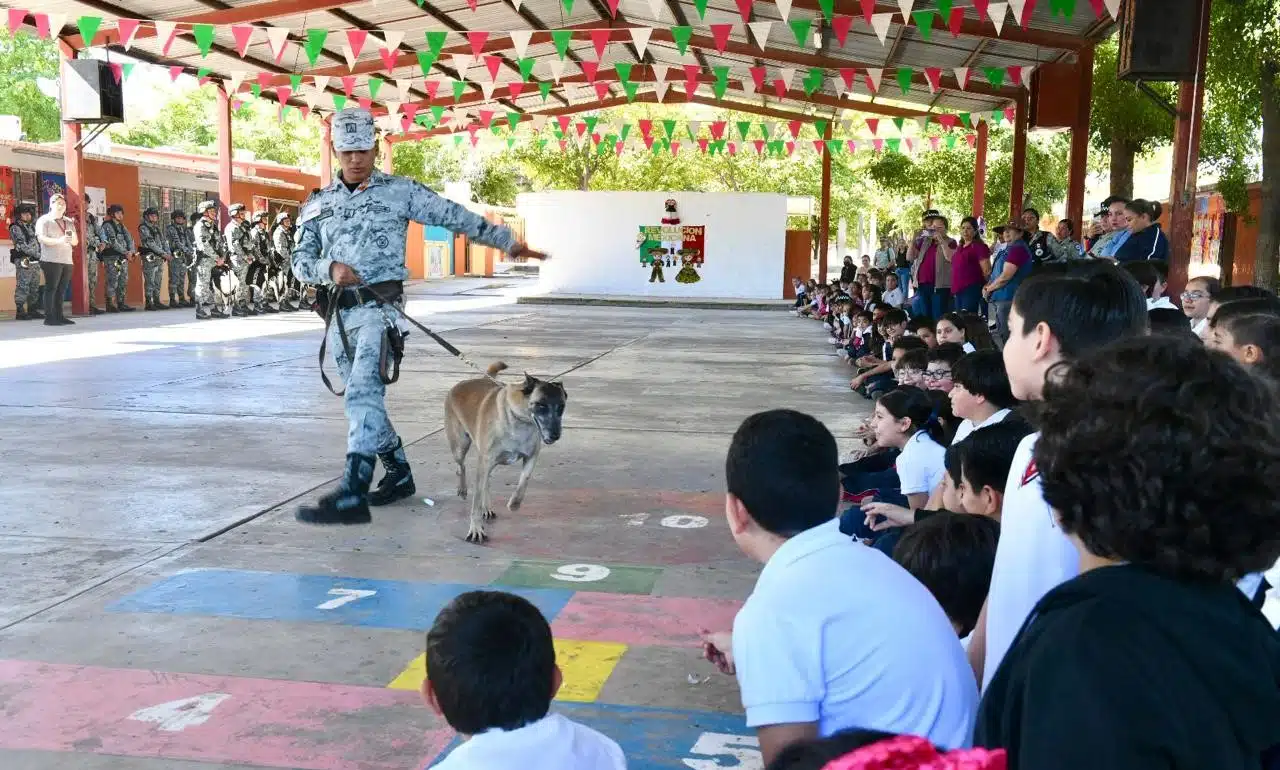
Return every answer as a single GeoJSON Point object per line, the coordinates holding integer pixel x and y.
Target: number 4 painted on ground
{"type": "Point", "coordinates": [344, 596]}
{"type": "Point", "coordinates": [743, 748]}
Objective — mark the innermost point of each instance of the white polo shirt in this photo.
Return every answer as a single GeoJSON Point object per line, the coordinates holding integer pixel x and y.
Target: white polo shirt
{"type": "Point", "coordinates": [921, 465]}
{"type": "Point", "coordinates": [552, 743]}
{"type": "Point", "coordinates": [968, 426]}
{"type": "Point", "coordinates": [809, 648]}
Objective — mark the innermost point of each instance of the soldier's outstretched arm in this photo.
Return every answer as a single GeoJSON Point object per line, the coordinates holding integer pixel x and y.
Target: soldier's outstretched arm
{"type": "Point", "coordinates": [428, 208]}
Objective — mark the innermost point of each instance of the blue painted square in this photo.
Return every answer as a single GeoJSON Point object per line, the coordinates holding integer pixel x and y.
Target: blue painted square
{"type": "Point", "coordinates": [313, 598]}
{"type": "Point", "coordinates": [661, 739]}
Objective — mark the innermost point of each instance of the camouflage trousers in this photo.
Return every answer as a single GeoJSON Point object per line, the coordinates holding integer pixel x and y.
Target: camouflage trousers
{"type": "Point", "coordinates": [117, 280]}
{"type": "Point", "coordinates": [369, 430]}
{"type": "Point", "coordinates": [27, 291]}
{"type": "Point", "coordinates": [178, 289]}
{"type": "Point", "coordinates": [204, 283]}
{"type": "Point", "coordinates": [152, 277]}
{"type": "Point", "coordinates": [241, 269]}
{"type": "Point", "coordinates": [91, 265]}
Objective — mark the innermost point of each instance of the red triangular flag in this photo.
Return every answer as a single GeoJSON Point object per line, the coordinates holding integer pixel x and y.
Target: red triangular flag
{"type": "Point", "coordinates": [174, 72]}
{"type": "Point", "coordinates": [264, 80]}
{"type": "Point", "coordinates": [733, 148]}
{"type": "Point", "coordinates": [795, 126]}
{"type": "Point", "coordinates": [971, 139]}
{"type": "Point", "coordinates": [348, 84]}
{"type": "Point", "coordinates": [818, 145]}
{"type": "Point", "coordinates": [472, 4]}
{"type": "Point", "coordinates": [613, 8]}
{"type": "Point", "coordinates": [564, 121]}
{"type": "Point", "coordinates": [474, 139]}
{"type": "Point", "coordinates": [409, 109]}
{"type": "Point", "coordinates": [477, 41]}
{"type": "Point", "coordinates": [675, 148]}
{"type": "Point", "coordinates": [947, 120]}
{"type": "Point", "coordinates": [602, 91]}
{"type": "Point", "coordinates": [720, 33]}
{"type": "Point", "coordinates": [493, 64]}
{"type": "Point", "coordinates": [980, 7]}
{"type": "Point", "coordinates": [600, 40]}
{"type": "Point", "coordinates": [846, 74]}
{"type": "Point", "coordinates": [17, 16]}
{"type": "Point", "coordinates": [126, 28]}
{"type": "Point", "coordinates": [595, 138]}
{"type": "Point", "coordinates": [514, 88]}
{"type": "Point", "coordinates": [404, 124]}
{"type": "Point", "coordinates": [780, 87]}
{"type": "Point", "coordinates": [646, 126]}
{"type": "Point", "coordinates": [934, 76]}
{"type": "Point", "coordinates": [744, 10]}
{"type": "Point", "coordinates": [433, 87]}
{"type": "Point", "coordinates": [486, 117]}
{"type": "Point", "coordinates": [283, 93]}
{"type": "Point", "coordinates": [953, 23]}
{"type": "Point", "coordinates": [564, 145]}
{"type": "Point", "coordinates": [934, 140]}
{"type": "Point", "coordinates": [42, 25]}
{"type": "Point", "coordinates": [389, 57]}
{"type": "Point", "coordinates": [355, 41]}
{"type": "Point", "coordinates": [874, 125]}
{"type": "Point", "coordinates": [758, 74]}
{"type": "Point", "coordinates": [617, 147]}
{"type": "Point", "coordinates": [791, 148]}
{"type": "Point", "coordinates": [717, 129]}
{"type": "Point", "coordinates": [1098, 8]}
{"type": "Point", "coordinates": [841, 25]}
{"type": "Point", "coordinates": [702, 145]}
{"type": "Point", "coordinates": [590, 68]}
{"type": "Point", "coordinates": [878, 144]}
{"type": "Point", "coordinates": [1027, 10]}
{"type": "Point", "coordinates": [648, 142]}
{"type": "Point", "coordinates": [365, 103]}
{"type": "Point", "coordinates": [868, 9]}
{"type": "Point", "coordinates": [853, 146]}
{"type": "Point", "coordinates": [117, 72]}
{"type": "Point", "coordinates": [759, 143]}
{"type": "Point", "coordinates": [1010, 114]}
{"type": "Point", "coordinates": [582, 128]}
{"type": "Point", "coordinates": [305, 110]}
{"type": "Point", "coordinates": [243, 33]}
{"type": "Point", "coordinates": [471, 129]}
{"type": "Point", "coordinates": [1015, 75]}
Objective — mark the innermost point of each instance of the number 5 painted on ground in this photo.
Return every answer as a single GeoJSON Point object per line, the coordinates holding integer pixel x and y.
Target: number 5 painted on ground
{"type": "Point", "coordinates": [743, 748]}
{"type": "Point", "coordinates": [344, 596]}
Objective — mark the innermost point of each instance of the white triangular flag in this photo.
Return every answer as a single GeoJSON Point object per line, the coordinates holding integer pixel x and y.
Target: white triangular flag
{"type": "Point", "coordinates": [516, 4]}
{"type": "Point", "coordinates": [539, 122]}
{"type": "Point", "coordinates": [923, 122]}
{"type": "Point", "coordinates": [349, 55]}
{"type": "Point", "coordinates": [694, 125]}
{"type": "Point", "coordinates": [749, 85]}
{"type": "Point", "coordinates": [962, 77]}
{"type": "Point", "coordinates": [1027, 71]}
{"type": "Point", "coordinates": [846, 126]}
{"type": "Point", "coordinates": [997, 12]}
{"type": "Point", "coordinates": [569, 91]}
{"type": "Point", "coordinates": [234, 79]}
{"type": "Point", "coordinates": [557, 66]}
{"type": "Point", "coordinates": [403, 86]}
{"type": "Point", "coordinates": [1017, 7]}
{"type": "Point", "coordinates": [276, 39]}
{"type": "Point", "coordinates": [640, 39]}
{"type": "Point", "coordinates": [164, 33]}
{"type": "Point", "coordinates": [486, 88]}
{"type": "Point", "coordinates": [461, 62]}
{"type": "Point", "coordinates": [875, 75]}
{"type": "Point", "coordinates": [320, 81]}
{"type": "Point", "coordinates": [655, 8]}
{"type": "Point", "coordinates": [788, 74]}
{"type": "Point", "coordinates": [905, 6]}
{"type": "Point", "coordinates": [393, 107]}
{"type": "Point", "coordinates": [784, 8]}
{"type": "Point", "coordinates": [392, 38]}
{"type": "Point", "coordinates": [760, 31]}
{"type": "Point", "coordinates": [661, 90]}
{"type": "Point", "coordinates": [660, 72]}
{"type": "Point", "coordinates": [312, 96]}
{"type": "Point", "coordinates": [1113, 7]}
{"type": "Point", "coordinates": [880, 22]}
{"type": "Point", "coordinates": [56, 22]}
{"type": "Point", "coordinates": [520, 41]}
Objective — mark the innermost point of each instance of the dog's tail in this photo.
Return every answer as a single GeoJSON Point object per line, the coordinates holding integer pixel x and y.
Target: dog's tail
{"type": "Point", "coordinates": [494, 368]}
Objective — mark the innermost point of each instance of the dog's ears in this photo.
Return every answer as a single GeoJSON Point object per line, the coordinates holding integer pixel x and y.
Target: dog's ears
{"type": "Point", "coordinates": [530, 382]}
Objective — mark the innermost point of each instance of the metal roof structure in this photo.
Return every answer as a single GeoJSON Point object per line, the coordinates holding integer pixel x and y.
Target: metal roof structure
{"type": "Point", "coordinates": [607, 25]}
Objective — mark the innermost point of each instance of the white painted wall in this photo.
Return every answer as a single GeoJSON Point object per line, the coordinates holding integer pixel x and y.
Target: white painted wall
{"type": "Point", "coordinates": [592, 239]}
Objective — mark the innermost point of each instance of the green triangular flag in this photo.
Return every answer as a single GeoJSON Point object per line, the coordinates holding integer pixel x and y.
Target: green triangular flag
{"type": "Point", "coordinates": [656, 148]}
{"type": "Point", "coordinates": [624, 70]}
{"type": "Point", "coordinates": [526, 67]}
{"type": "Point", "coordinates": [821, 127]}
{"type": "Point", "coordinates": [626, 129]}
{"type": "Point", "coordinates": [601, 148]}
{"type": "Point", "coordinates": [435, 42]}
{"type": "Point", "coordinates": [966, 119]}
{"type": "Point", "coordinates": [89, 28]}
{"type": "Point", "coordinates": [813, 81]}
{"type": "Point", "coordinates": [894, 145]}
{"type": "Point", "coordinates": [561, 38]}
{"type": "Point", "coordinates": [995, 76]}
{"type": "Point", "coordinates": [997, 116]}
{"type": "Point", "coordinates": [904, 78]}
{"type": "Point", "coordinates": [924, 23]}
{"type": "Point", "coordinates": [828, 8]}
{"type": "Point", "coordinates": [202, 73]}
{"type": "Point", "coordinates": [568, 7]}
{"type": "Point", "coordinates": [722, 73]}
{"type": "Point", "coordinates": [542, 144]}
{"type": "Point", "coordinates": [591, 121]}
{"type": "Point", "coordinates": [800, 28]}
{"type": "Point", "coordinates": [1066, 7]}
{"type": "Point", "coordinates": [295, 83]}
{"type": "Point", "coordinates": [457, 138]}
{"type": "Point", "coordinates": [944, 9]}
{"type": "Point", "coordinates": [835, 146]}
{"type": "Point", "coordinates": [681, 35]}
{"type": "Point", "coordinates": [764, 130]}
{"type": "Point", "coordinates": [744, 128]}
{"type": "Point", "coordinates": [437, 112]}
{"type": "Point", "coordinates": [630, 89]}
{"type": "Point", "coordinates": [495, 128]}
{"type": "Point", "coordinates": [670, 127]}
{"type": "Point", "coordinates": [127, 68]}
{"type": "Point", "coordinates": [511, 142]}
{"type": "Point", "coordinates": [256, 90]}
{"type": "Point", "coordinates": [459, 86]}
{"type": "Point", "coordinates": [425, 60]}
{"type": "Point", "coordinates": [374, 85]}
{"type": "Point", "coordinates": [777, 146]}
{"type": "Point", "coordinates": [339, 101]}
{"type": "Point", "coordinates": [544, 86]}
{"type": "Point", "coordinates": [315, 44]}
{"type": "Point", "coordinates": [513, 119]}
{"type": "Point", "coordinates": [701, 5]}
{"type": "Point", "coordinates": [719, 87]}
{"type": "Point", "coordinates": [951, 141]}
{"type": "Point", "coordinates": [899, 122]}
{"type": "Point", "coordinates": [203, 33]}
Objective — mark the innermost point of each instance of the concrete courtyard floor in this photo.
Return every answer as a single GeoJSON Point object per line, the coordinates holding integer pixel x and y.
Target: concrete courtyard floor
{"type": "Point", "coordinates": [162, 609]}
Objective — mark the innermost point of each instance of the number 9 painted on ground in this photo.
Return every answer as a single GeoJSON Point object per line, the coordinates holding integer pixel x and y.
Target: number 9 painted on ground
{"type": "Point", "coordinates": [581, 573]}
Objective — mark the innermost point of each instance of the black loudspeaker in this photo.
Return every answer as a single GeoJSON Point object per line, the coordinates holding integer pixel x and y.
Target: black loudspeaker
{"type": "Point", "coordinates": [90, 93]}
{"type": "Point", "coordinates": [1158, 39]}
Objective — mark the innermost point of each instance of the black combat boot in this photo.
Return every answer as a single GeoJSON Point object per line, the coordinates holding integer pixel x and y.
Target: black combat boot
{"type": "Point", "coordinates": [111, 307]}
{"type": "Point", "coordinates": [149, 305]}
{"type": "Point", "coordinates": [397, 482]}
{"type": "Point", "coordinates": [218, 313]}
{"type": "Point", "coordinates": [94, 310]}
{"type": "Point", "coordinates": [34, 313]}
{"type": "Point", "coordinates": [125, 308]}
{"type": "Point", "coordinates": [20, 312]}
{"type": "Point", "coordinates": [349, 503]}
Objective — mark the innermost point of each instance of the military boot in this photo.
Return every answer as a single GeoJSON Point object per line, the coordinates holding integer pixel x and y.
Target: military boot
{"type": "Point", "coordinates": [349, 503]}
{"type": "Point", "coordinates": [397, 482]}
{"type": "Point", "coordinates": [111, 307]}
{"type": "Point", "coordinates": [148, 304]}
{"type": "Point", "coordinates": [20, 312]}
{"type": "Point", "coordinates": [158, 305]}
{"type": "Point", "coordinates": [94, 309]}
{"type": "Point", "coordinates": [34, 313]}
{"type": "Point", "coordinates": [125, 308]}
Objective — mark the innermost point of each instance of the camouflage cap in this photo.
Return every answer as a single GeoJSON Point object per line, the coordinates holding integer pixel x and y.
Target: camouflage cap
{"type": "Point", "coordinates": [352, 130]}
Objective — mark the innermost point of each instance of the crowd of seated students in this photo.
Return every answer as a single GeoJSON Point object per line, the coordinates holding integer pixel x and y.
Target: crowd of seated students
{"type": "Point", "coordinates": [1049, 556]}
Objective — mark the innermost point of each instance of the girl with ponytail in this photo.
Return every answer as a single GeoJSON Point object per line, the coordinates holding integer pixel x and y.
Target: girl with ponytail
{"type": "Point", "coordinates": [1146, 239]}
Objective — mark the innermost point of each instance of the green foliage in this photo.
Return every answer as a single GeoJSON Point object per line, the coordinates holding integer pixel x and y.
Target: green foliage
{"type": "Point", "coordinates": [1123, 113]}
{"type": "Point", "coordinates": [23, 59]}
{"type": "Point", "coordinates": [1045, 182]}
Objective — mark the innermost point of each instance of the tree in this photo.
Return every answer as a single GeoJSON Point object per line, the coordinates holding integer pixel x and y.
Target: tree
{"type": "Point", "coordinates": [1124, 121]}
{"type": "Point", "coordinates": [24, 59]}
{"type": "Point", "coordinates": [1242, 126]}
{"type": "Point", "coordinates": [1045, 182]}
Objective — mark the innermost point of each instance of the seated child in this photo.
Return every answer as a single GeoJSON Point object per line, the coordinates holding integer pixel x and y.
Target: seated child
{"type": "Point", "coordinates": [922, 326]}
{"type": "Point", "coordinates": [893, 294]}
{"type": "Point", "coordinates": [937, 375]}
{"type": "Point", "coordinates": [985, 458]}
{"type": "Point", "coordinates": [1153, 276]}
{"type": "Point", "coordinates": [980, 392]}
{"type": "Point", "coordinates": [907, 419]}
{"type": "Point", "coordinates": [871, 296]}
{"type": "Point", "coordinates": [877, 375]}
{"type": "Point", "coordinates": [965, 329]}
{"type": "Point", "coordinates": [952, 554]}
{"type": "Point", "coordinates": [491, 673]}
{"type": "Point", "coordinates": [802, 294]}
{"type": "Point", "coordinates": [1253, 339]}
{"type": "Point", "coordinates": [1166, 320]}
{"type": "Point", "coordinates": [1196, 300]}
{"type": "Point", "coordinates": [861, 343]}
{"type": "Point", "coordinates": [909, 366]}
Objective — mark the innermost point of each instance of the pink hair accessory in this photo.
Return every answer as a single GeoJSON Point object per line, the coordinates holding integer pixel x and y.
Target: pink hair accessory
{"type": "Point", "coordinates": [910, 752]}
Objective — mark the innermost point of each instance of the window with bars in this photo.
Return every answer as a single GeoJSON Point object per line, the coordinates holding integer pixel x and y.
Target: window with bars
{"type": "Point", "coordinates": [170, 199]}
{"type": "Point", "coordinates": [26, 187]}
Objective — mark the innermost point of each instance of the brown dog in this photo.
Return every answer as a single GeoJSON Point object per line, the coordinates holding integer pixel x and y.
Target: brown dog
{"type": "Point", "coordinates": [508, 424]}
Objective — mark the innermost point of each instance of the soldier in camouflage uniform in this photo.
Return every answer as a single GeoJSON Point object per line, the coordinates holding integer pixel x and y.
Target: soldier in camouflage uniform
{"type": "Point", "coordinates": [119, 248]}
{"type": "Point", "coordinates": [352, 235]}
{"type": "Point", "coordinates": [263, 274]}
{"type": "Point", "coordinates": [25, 256]}
{"type": "Point", "coordinates": [155, 252]}
{"type": "Point", "coordinates": [182, 250]}
{"type": "Point", "coordinates": [210, 250]}
{"type": "Point", "coordinates": [93, 247]}
{"type": "Point", "coordinates": [282, 246]}
{"type": "Point", "coordinates": [236, 234]}
{"type": "Point", "coordinates": [191, 266]}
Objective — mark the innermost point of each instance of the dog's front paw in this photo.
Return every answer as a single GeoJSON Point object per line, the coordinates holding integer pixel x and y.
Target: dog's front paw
{"type": "Point", "coordinates": [476, 535]}
{"type": "Point", "coordinates": [514, 504]}
{"type": "Point", "coordinates": [489, 515]}
{"type": "Point", "coordinates": [462, 492]}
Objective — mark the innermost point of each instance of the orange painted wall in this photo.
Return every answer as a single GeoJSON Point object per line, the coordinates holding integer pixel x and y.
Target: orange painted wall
{"type": "Point", "coordinates": [798, 260]}
{"type": "Point", "coordinates": [415, 251]}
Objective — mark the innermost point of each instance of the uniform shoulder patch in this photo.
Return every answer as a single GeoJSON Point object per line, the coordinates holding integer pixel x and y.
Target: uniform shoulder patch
{"type": "Point", "coordinates": [310, 210]}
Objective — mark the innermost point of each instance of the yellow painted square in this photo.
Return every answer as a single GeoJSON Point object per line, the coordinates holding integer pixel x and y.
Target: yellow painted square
{"type": "Point", "coordinates": [586, 666]}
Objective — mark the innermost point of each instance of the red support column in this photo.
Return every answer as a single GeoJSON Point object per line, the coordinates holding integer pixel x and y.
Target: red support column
{"type": "Point", "coordinates": [385, 155]}
{"type": "Point", "coordinates": [326, 153]}
{"type": "Point", "coordinates": [73, 169]}
{"type": "Point", "coordinates": [1186, 158]}
{"type": "Point", "coordinates": [1019, 158]}
{"type": "Point", "coordinates": [980, 170]}
{"type": "Point", "coordinates": [223, 117]}
{"type": "Point", "coordinates": [824, 212]}
{"type": "Point", "coordinates": [1079, 168]}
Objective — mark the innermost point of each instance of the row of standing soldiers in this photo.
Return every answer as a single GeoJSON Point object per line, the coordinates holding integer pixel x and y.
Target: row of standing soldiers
{"type": "Point", "coordinates": [242, 270]}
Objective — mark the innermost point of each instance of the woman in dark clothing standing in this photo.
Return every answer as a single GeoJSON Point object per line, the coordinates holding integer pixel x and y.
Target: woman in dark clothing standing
{"type": "Point", "coordinates": [1146, 239]}
{"type": "Point", "coordinates": [1152, 657]}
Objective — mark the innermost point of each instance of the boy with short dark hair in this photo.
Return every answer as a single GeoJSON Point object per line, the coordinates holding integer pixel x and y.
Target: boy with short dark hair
{"type": "Point", "coordinates": [922, 326]}
{"type": "Point", "coordinates": [980, 394]}
{"type": "Point", "coordinates": [985, 458]}
{"type": "Point", "coordinates": [952, 555]}
{"type": "Point", "coordinates": [810, 661]}
{"type": "Point", "coordinates": [491, 673]}
{"type": "Point", "coordinates": [878, 375]}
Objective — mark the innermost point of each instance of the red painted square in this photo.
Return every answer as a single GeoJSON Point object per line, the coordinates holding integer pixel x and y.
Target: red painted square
{"type": "Point", "coordinates": [674, 621]}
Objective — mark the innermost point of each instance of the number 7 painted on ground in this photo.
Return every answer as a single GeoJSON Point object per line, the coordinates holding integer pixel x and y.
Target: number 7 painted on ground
{"type": "Point", "coordinates": [344, 596]}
